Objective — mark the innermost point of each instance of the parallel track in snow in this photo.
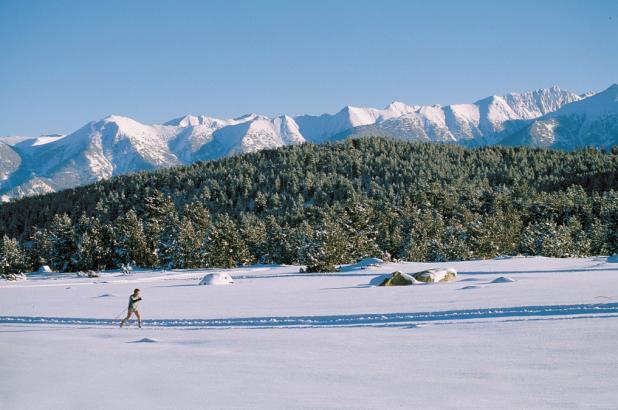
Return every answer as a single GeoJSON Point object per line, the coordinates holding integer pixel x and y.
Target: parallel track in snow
{"type": "Point", "coordinates": [357, 320]}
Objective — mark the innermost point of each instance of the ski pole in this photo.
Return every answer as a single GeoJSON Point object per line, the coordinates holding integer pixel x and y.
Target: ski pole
{"type": "Point", "coordinates": [120, 314]}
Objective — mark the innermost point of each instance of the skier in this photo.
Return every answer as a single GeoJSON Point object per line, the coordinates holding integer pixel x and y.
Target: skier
{"type": "Point", "coordinates": [133, 301]}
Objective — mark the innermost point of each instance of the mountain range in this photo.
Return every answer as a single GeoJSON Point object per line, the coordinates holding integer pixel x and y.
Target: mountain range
{"type": "Point", "coordinates": [117, 145]}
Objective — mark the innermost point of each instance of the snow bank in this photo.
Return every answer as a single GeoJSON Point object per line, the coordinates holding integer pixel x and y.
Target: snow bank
{"type": "Point", "coordinates": [503, 279]}
{"type": "Point", "coordinates": [362, 264]}
{"type": "Point", "coordinates": [45, 269]}
{"type": "Point", "coordinates": [146, 340]}
{"type": "Point", "coordinates": [217, 279]}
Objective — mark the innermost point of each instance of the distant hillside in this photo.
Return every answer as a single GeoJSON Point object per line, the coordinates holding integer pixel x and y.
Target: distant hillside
{"type": "Point", "coordinates": [356, 198]}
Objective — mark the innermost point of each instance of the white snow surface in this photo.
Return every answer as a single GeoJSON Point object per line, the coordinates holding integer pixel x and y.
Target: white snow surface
{"type": "Point", "coordinates": [280, 339]}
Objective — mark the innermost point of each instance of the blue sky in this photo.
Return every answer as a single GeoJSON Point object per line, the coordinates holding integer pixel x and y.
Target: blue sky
{"type": "Point", "coordinates": [64, 63]}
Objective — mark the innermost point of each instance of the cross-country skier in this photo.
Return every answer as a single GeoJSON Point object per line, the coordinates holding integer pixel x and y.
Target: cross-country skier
{"type": "Point", "coordinates": [133, 301]}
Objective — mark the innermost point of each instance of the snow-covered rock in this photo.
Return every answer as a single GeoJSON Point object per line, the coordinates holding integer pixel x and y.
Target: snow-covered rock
{"type": "Point", "coordinates": [398, 278]}
{"type": "Point", "coordinates": [436, 275]}
{"type": "Point", "coordinates": [217, 279]}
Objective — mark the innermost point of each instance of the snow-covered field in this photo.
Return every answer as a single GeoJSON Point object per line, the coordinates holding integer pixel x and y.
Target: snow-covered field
{"type": "Point", "coordinates": [279, 339]}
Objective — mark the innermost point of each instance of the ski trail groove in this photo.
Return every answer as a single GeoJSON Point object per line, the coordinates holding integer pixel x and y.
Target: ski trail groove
{"type": "Point", "coordinates": [356, 320]}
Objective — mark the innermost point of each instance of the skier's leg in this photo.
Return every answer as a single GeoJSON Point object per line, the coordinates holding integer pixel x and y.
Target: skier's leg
{"type": "Point", "coordinates": [139, 319]}
{"type": "Point", "coordinates": [129, 312]}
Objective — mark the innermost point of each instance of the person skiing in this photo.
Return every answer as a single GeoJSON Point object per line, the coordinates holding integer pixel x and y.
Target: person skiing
{"type": "Point", "coordinates": [133, 301]}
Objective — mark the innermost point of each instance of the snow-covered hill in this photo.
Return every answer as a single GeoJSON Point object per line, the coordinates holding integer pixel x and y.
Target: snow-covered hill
{"type": "Point", "coordinates": [117, 145]}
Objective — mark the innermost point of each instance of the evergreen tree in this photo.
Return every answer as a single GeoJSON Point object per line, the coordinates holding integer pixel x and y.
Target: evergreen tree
{"type": "Point", "coordinates": [327, 249]}
{"type": "Point", "coordinates": [13, 260]}
{"type": "Point", "coordinates": [188, 251]}
{"type": "Point", "coordinates": [57, 244]}
{"type": "Point", "coordinates": [225, 247]}
{"type": "Point", "coordinates": [253, 230]}
{"type": "Point", "coordinates": [275, 241]}
{"type": "Point", "coordinates": [161, 228]}
{"type": "Point", "coordinates": [131, 242]}
{"type": "Point", "coordinates": [92, 252]}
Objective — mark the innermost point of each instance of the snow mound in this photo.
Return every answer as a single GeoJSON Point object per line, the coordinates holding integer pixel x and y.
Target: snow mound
{"type": "Point", "coordinates": [217, 279]}
{"type": "Point", "coordinates": [362, 264]}
{"type": "Point", "coordinates": [503, 279]}
{"type": "Point", "coordinates": [146, 340]}
{"type": "Point", "coordinates": [45, 269]}
{"type": "Point", "coordinates": [470, 287]}
{"type": "Point", "coordinates": [105, 295]}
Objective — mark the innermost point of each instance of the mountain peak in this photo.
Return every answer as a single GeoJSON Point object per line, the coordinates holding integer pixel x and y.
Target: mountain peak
{"type": "Point", "coordinates": [116, 118]}
{"type": "Point", "coordinates": [398, 106]}
{"type": "Point", "coordinates": [184, 121]}
{"type": "Point", "coordinates": [120, 121]}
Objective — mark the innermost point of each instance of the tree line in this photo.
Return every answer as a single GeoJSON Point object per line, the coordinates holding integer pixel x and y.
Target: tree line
{"type": "Point", "coordinates": [323, 205]}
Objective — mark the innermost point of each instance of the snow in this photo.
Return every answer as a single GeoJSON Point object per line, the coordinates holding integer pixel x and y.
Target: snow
{"type": "Point", "coordinates": [503, 279]}
{"type": "Point", "coordinates": [593, 107]}
{"type": "Point", "coordinates": [146, 340]}
{"type": "Point", "coordinates": [46, 139]}
{"type": "Point", "coordinates": [366, 263]}
{"type": "Point", "coordinates": [217, 279]}
{"type": "Point", "coordinates": [278, 336]}
{"type": "Point", "coordinates": [13, 139]}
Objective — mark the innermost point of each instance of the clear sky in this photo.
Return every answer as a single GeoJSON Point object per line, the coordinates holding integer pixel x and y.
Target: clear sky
{"type": "Point", "coordinates": [64, 63]}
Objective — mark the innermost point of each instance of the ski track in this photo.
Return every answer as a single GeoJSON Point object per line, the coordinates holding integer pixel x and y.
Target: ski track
{"type": "Point", "coordinates": [356, 320]}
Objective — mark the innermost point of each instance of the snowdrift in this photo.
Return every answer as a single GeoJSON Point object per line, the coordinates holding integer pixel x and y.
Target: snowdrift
{"type": "Point", "coordinates": [362, 264]}
{"type": "Point", "coordinates": [427, 276]}
{"type": "Point", "coordinates": [217, 279]}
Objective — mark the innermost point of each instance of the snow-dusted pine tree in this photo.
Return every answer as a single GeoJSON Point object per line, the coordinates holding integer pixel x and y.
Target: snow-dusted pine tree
{"type": "Point", "coordinates": [13, 261]}
{"type": "Point", "coordinates": [131, 245]}
{"type": "Point", "coordinates": [225, 246]}
{"type": "Point", "coordinates": [327, 248]}
{"type": "Point", "coordinates": [56, 245]}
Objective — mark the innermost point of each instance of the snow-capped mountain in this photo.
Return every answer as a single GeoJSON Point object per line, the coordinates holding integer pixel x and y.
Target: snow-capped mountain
{"type": "Point", "coordinates": [118, 145]}
{"type": "Point", "coordinates": [590, 122]}
{"type": "Point", "coordinates": [483, 122]}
